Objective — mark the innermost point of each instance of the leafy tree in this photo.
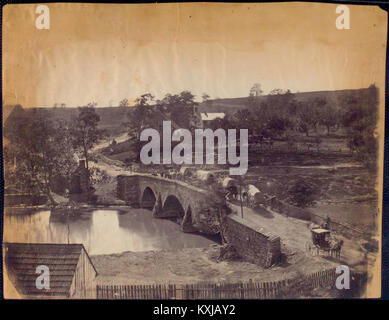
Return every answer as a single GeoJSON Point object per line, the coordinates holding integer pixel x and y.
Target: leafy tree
{"type": "Point", "coordinates": [85, 131]}
{"type": "Point", "coordinates": [282, 102]}
{"type": "Point", "coordinates": [85, 135]}
{"type": "Point", "coordinates": [303, 193]}
{"type": "Point", "coordinates": [256, 90]}
{"type": "Point", "coordinates": [360, 118]}
{"type": "Point", "coordinates": [254, 94]}
{"type": "Point", "coordinates": [205, 97]}
{"type": "Point", "coordinates": [124, 103]}
{"type": "Point", "coordinates": [64, 142]}
{"type": "Point", "coordinates": [277, 92]}
{"type": "Point", "coordinates": [308, 115]}
{"type": "Point", "coordinates": [140, 116]}
{"type": "Point", "coordinates": [279, 125]}
{"type": "Point", "coordinates": [303, 126]}
{"type": "Point", "coordinates": [274, 115]}
{"type": "Point", "coordinates": [329, 117]}
{"type": "Point", "coordinates": [40, 150]}
{"type": "Point", "coordinates": [144, 100]}
{"type": "Point", "coordinates": [243, 118]}
{"type": "Point", "coordinates": [181, 107]}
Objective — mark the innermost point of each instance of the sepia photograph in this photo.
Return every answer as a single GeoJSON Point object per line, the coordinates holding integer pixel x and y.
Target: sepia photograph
{"type": "Point", "coordinates": [193, 151]}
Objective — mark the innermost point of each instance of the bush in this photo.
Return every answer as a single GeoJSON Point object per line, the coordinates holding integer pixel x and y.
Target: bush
{"type": "Point", "coordinates": [302, 193]}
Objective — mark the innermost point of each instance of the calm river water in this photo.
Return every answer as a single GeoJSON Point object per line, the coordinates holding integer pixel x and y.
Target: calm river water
{"type": "Point", "coordinates": [102, 231]}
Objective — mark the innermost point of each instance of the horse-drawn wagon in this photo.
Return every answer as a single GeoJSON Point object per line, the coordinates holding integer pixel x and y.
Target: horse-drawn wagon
{"type": "Point", "coordinates": [323, 243]}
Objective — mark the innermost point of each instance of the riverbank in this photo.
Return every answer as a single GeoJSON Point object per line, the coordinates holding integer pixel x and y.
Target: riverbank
{"type": "Point", "coordinates": [196, 265]}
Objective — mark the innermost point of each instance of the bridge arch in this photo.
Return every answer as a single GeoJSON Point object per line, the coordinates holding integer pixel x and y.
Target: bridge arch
{"type": "Point", "coordinates": [148, 198]}
{"type": "Point", "coordinates": [172, 207]}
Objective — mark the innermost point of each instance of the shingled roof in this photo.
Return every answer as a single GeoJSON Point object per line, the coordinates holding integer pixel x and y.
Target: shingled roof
{"type": "Point", "coordinates": [22, 260]}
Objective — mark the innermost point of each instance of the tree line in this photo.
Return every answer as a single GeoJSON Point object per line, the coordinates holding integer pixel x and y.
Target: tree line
{"type": "Point", "coordinates": [41, 149]}
{"type": "Point", "coordinates": [280, 115]}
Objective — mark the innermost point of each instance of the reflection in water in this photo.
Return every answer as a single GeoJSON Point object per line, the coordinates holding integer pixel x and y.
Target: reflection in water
{"type": "Point", "coordinates": [102, 231]}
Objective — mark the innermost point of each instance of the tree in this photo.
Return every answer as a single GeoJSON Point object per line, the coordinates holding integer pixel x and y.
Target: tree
{"type": "Point", "coordinates": [243, 118]}
{"type": "Point", "coordinates": [329, 117]}
{"type": "Point", "coordinates": [205, 97]}
{"type": "Point", "coordinates": [85, 131]}
{"type": "Point", "coordinates": [282, 102]}
{"type": "Point", "coordinates": [38, 144]}
{"type": "Point", "coordinates": [140, 115]}
{"type": "Point", "coordinates": [144, 100]}
{"type": "Point", "coordinates": [256, 90]}
{"type": "Point", "coordinates": [181, 107]}
{"type": "Point", "coordinates": [123, 103]}
{"type": "Point", "coordinates": [303, 193]}
{"type": "Point", "coordinates": [308, 115]}
{"type": "Point", "coordinates": [360, 120]}
{"type": "Point", "coordinates": [316, 105]}
{"type": "Point", "coordinates": [277, 92]}
{"type": "Point", "coordinates": [64, 141]}
{"type": "Point", "coordinates": [278, 125]}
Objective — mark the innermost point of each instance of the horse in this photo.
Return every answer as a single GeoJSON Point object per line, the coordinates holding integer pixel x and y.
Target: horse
{"type": "Point", "coordinates": [336, 247]}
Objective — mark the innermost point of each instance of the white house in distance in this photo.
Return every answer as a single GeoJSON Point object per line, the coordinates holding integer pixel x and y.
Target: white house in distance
{"type": "Point", "coordinates": [212, 115]}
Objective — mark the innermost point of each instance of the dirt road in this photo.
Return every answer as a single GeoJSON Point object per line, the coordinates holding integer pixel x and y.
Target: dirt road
{"type": "Point", "coordinates": [294, 234]}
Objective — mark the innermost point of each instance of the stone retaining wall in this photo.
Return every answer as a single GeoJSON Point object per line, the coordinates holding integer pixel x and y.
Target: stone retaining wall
{"type": "Point", "coordinates": [252, 242]}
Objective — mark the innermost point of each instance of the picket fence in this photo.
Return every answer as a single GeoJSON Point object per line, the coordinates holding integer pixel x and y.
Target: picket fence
{"type": "Point", "coordinates": [248, 290]}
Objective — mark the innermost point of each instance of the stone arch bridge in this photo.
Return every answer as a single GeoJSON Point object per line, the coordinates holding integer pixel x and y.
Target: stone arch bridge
{"type": "Point", "coordinates": [199, 210]}
{"type": "Point", "coordinates": [194, 208]}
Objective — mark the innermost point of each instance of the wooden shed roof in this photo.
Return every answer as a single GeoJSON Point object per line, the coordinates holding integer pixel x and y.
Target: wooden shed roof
{"type": "Point", "coordinates": [22, 259]}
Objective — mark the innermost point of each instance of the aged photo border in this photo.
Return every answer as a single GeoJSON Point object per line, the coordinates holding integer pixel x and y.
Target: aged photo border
{"type": "Point", "coordinates": [384, 170]}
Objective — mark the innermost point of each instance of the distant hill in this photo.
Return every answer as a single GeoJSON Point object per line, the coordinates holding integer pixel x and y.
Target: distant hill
{"type": "Point", "coordinates": [113, 118]}
{"type": "Point", "coordinates": [231, 105]}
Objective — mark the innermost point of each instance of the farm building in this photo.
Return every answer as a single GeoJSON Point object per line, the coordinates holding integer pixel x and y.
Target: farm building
{"type": "Point", "coordinates": [208, 116]}
{"type": "Point", "coordinates": [71, 272]}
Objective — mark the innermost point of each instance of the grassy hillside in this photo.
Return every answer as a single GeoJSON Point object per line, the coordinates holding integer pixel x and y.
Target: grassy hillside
{"type": "Point", "coordinates": [231, 105]}
{"type": "Point", "coordinates": [111, 118]}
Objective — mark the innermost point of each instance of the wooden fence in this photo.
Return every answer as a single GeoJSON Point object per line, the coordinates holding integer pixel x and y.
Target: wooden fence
{"type": "Point", "coordinates": [137, 292]}
{"type": "Point", "coordinates": [249, 290]}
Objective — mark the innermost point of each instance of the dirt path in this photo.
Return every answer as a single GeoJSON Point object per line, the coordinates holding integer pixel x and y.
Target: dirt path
{"type": "Point", "coordinates": [111, 167]}
{"type": "Point", "coordinates": [105, 143]}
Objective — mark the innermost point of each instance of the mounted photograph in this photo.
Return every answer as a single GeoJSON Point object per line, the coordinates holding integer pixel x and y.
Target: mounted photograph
{"type": "Point", "coordinates": [193, 151]}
